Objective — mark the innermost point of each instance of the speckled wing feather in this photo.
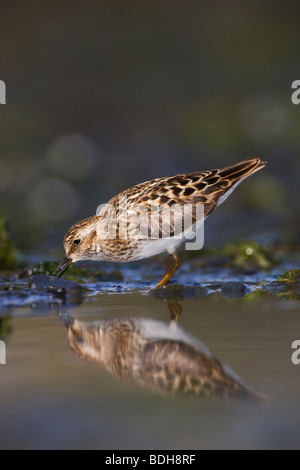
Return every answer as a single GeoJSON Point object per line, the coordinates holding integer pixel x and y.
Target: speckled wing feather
{"type": "Point", "coordinates": [204, 187]}
{"type": "Point", "coordinates": [208, 188]}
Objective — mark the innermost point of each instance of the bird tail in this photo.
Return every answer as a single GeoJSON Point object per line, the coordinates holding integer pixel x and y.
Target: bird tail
{"type": "Point", "coordinates": [231, 176]}
{"type": "Point", "coordinates": [257, 398]}
{"type": "Point", "coordinates": [242, 170]}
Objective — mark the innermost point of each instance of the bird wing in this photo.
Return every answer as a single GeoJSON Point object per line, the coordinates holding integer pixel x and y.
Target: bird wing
{"type": "Point", "coordinates": [181, 200]}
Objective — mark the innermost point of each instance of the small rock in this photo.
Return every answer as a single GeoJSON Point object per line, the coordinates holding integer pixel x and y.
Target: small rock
{"type": "Point", "coordinates": [174, 292]}
{"type": "Point", "coordinates": [57, 291]}
{"type": "Point", "coordinates": [71, 292]}
{"type": "Point", "coordinates": [41, 280]}
{"type": "Point", "coordinates": [234, 290]}
{"type": "Point", "coordinates": [168, 291]}
{"type": "Point", "coordinates": [194, 292]}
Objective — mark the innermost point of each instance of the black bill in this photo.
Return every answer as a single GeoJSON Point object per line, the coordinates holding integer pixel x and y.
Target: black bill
{"type": "Point", "coordinates": [62, 267]}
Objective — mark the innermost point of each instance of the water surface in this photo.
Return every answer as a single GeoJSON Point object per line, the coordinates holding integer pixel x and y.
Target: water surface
{"type": "Point", "coordinates": [51, 398]}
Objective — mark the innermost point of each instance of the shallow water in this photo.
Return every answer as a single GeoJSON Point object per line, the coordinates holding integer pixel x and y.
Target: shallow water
{"type": "Point", "coordinates": [52, 398]}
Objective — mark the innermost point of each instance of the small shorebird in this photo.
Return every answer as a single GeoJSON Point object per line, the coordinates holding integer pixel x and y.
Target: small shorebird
{"type": "Point", "coordinates": [158, 356]}
{"type": "Point", "coordinates": [102, 237]}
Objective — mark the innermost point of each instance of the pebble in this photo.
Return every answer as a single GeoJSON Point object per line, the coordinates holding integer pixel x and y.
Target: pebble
{"type": "Point", "coordinates": [234, 290]}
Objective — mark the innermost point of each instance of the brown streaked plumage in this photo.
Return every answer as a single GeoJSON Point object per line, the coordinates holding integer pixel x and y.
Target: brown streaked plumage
{"type": "Point", "coordinates": [160, 357]}
{"type": "Point", "coordinates": [101, 237]}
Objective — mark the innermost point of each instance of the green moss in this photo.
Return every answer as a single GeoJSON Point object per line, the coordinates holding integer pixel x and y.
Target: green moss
{"type": "Point", "coordinates": [290, 285]}
{"type": "Point", "coordinates": [199, 255]}
{"type": "Point", "coordinates": [45, 267]}
{"type": "Point", "coordinates": [256, 296]}
{"type": "Point", "coordinates": [291, 291]}
{"type": "Point", "coordinates": [7, 251]}
{"type": "Point", "coordinates": [249, 255]}
{"type": "Point", "coordinates": [5, 328]}
{"type": "Point", "coordinates": [290, 276]}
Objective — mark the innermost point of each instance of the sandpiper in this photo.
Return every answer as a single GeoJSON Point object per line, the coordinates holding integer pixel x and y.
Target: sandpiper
{"type": "Point", "coordinates": [157, 356]}
{"type": "Point", "coordinates": [102, 237]}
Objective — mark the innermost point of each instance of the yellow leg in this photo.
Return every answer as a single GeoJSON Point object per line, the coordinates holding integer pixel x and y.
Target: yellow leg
{"type": "Point", "coordinates": [169, 262]}
{"type": "Point", "coordinates": [170, 270]}
{"type": "Point", "coordinates": [175, 310]}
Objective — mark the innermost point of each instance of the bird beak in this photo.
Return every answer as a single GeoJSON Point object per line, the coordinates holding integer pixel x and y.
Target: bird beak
{"type": "Point", "coordinates": [63, 266]}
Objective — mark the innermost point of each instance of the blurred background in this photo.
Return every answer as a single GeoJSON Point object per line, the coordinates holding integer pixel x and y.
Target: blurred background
{"type": "Point", "coordinates": [104, 95]}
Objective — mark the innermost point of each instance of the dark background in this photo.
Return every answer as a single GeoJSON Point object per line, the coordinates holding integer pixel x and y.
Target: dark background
{"type": "Point", "coordinates": [104, 95]}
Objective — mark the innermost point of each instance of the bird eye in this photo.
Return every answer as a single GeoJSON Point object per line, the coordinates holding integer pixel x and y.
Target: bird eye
{"type": "Point", "coordinates": [77, 241]}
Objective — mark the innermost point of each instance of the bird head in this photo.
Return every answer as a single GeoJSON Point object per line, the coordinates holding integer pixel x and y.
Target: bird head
{"type": "Point", "coordinates": [80, 243]}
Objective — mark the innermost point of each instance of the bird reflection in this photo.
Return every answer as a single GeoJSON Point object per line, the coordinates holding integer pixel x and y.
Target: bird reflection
{"type": "Point", "coordinates": [155, 355]}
